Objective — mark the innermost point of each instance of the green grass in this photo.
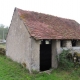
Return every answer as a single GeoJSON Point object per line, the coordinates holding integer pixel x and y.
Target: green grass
{"type": "Point", "coordinates": [3, 45]}
{"type": "Point", "coordinates": [10, 70]}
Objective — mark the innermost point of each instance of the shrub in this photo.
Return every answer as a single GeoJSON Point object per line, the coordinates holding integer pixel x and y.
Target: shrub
{"type": "Point", "coordinates": [2, 51]}
{"type": "Point", "coordinates": [77, 55]}
{"type": "Point", "coordinates": [65, 61]}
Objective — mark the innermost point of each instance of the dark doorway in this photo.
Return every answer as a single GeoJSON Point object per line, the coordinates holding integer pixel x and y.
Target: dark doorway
{"type": "Point", "coordinates": [74, 42]}
{"type": "Point", "coordinates": [45, 56]}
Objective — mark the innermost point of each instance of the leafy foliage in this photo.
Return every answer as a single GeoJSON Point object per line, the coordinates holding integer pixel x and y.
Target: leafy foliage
{"type": "Point", "coordinates": [3, 30]}
{"type": "Point", "coordinates": [64, 61]}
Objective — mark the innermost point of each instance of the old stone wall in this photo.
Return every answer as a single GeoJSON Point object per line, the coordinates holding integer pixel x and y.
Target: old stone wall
{"type": "Point", "coordinates": [68, 46]}
{"type": "Point", "coordinates": [54, 54]}
{"type": "Point", "coordinates": [18, 42]}
{"type": "Point", "coordinates": [35, 54]}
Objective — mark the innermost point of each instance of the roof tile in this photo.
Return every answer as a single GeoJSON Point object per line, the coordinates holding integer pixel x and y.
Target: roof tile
{"type": "Point", "coordinates": [44, 26]}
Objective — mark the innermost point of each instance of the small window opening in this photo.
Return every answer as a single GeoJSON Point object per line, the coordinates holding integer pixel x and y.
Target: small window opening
{"type": "Point", "coordinates": [62, 43]}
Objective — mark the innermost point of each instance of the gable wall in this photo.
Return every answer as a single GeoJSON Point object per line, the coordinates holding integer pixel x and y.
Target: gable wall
{"type": "Point", "coordinates": [18, 42]}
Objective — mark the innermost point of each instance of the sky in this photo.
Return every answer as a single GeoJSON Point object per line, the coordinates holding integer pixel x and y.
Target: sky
{"type": "Point", "coordinates": [62, 8]}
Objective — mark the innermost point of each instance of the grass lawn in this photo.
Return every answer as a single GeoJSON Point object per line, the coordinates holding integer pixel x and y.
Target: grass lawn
{"type": "Point", "coordinates": [10, 70]}
{"type": "Point", "coordinates": [3, 45]}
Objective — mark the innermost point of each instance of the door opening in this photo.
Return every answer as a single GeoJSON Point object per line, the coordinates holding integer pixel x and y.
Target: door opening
{"type": "Point", "coordinates": [45, 55]}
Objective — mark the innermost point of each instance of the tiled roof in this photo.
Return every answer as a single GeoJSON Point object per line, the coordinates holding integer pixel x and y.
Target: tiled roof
{"type": "Point", "coordinates": [44, 26]}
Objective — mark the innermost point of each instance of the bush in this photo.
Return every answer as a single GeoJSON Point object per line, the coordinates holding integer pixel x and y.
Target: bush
{"type": "Point", "coordinates": [2, 51]}
{"type": "Point", "coordinates": [65, 61]}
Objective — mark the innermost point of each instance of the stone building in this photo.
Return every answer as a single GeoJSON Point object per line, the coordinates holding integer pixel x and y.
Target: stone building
{"type": "Point", "coordinates": [35, 39]}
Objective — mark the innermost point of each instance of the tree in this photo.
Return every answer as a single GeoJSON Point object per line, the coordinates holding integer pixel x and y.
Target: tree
{"type": "Point", "coordinates": [3, 31]}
